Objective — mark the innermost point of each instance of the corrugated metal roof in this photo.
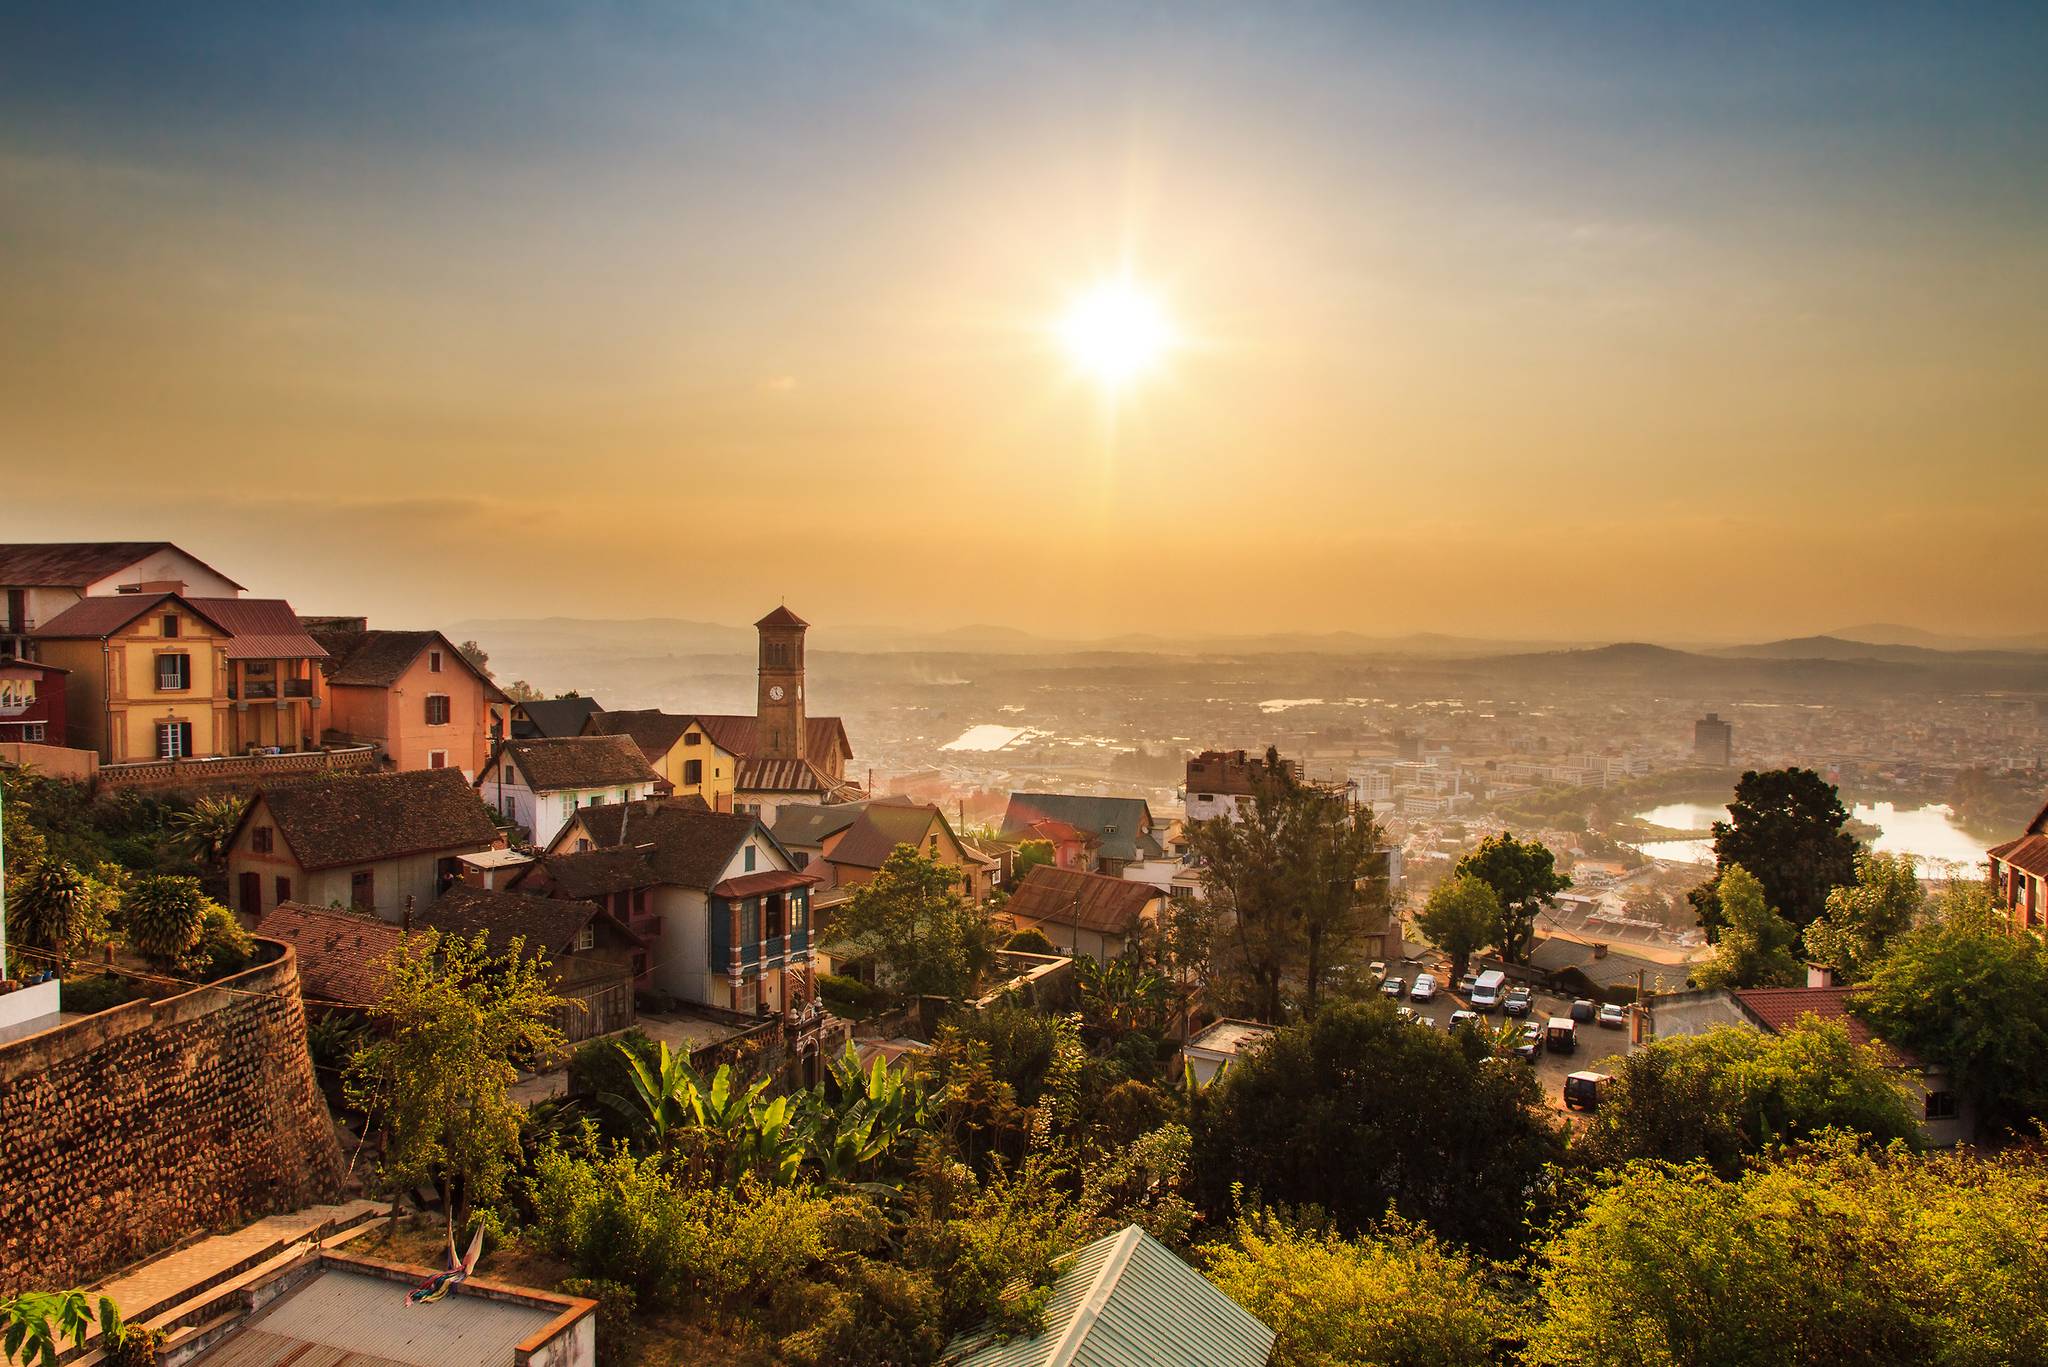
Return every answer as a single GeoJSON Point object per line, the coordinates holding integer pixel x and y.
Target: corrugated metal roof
{"type": "Point", "coordinates": [1128, 1301]}
{"type": "Point", "coordinates": [367, 1320]}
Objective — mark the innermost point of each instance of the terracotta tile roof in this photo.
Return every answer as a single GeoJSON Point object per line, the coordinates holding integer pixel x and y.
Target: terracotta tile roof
{"type": "Point", "coordinates": [790, 776]}
{"type": "Point", "coordinates": [1091, 901]}
{"type": "Point", "coordinates": [95, 618]}
{"type": "Point", "coordinates": [75, 564]}
{"type": "Point", "coordinates": [654, 731]}
{"type": "Point", "coordinates": [738, 734]}
{"type": "Point", "coordinates": [553, 763]}
{"type": "Point", "coordinates": [549, 923]}
{"type": "Point", "coordinates": [598, 873]}
{"type": "Point", "coordinates": [360, 819]}
{"type": "Point", "coordinates": [338, 950]}
{"type": "Point", "coordinates": [556, 716]}
{"type": "Point", "coordinates": [2029, 852]}
{"type": "Point", "coordinates": [261, 628]}
{"type": "Point", "coordinates": [1777, 1009]}
{"type": "Point", "coordinates": [781, 617]}
{"type": "Point", "coordinates": [883, 827]}
{"type": "Point", "coordinates": [377, 659]}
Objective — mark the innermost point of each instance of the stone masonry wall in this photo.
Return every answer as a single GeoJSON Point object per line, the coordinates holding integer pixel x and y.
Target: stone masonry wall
{"type": "Point", "coordinates": [125, 1132]}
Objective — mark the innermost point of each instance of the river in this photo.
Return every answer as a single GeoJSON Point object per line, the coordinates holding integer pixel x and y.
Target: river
{"type": "Point", "coordinates": [1927, 833]}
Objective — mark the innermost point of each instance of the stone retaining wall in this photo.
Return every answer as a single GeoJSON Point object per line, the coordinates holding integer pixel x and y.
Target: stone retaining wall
{"type": "Point", "coordinates": [125, 1132]}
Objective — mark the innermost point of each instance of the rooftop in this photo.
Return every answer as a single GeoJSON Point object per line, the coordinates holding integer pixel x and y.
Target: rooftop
{"type": "Point", "coordinates": [555, 763]}
{"type": "Point", "coordinates": [1091, 901]}
{"type": "Point", "coordinates": [363, 819]}
{"type": "Point", "coordinates": [75, 564]}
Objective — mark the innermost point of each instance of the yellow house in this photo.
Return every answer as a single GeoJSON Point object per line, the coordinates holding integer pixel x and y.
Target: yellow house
{"type": "Point", "coordinates": [162, 676]}
{"type": "Point", "coordinates": [679, 748]}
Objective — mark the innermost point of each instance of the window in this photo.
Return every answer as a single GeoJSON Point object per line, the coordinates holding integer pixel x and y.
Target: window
{"type": "Point", "coordinates": [935, 845]}
{"type": "Point", "coordinates": [750, 859]}
{"type": "Point", "coordinates": [433, 662]}
{"type": "Point", "coordinates": [594, 800]}
{"type": "Point", "coordinates": [259, 840]}
{"type": "Point", "coordinates": [511, 775]}
{"type": "Point", "coordinates": [173, 739]}
{"type": "Point", "coordinates": [170, 625]}
{"type": "Point", "coordinates": [1941, 1106]}
{"type": "Point", "coordinates": [173, 673]}
{"type": "Point", "coordinates": [284, 888]}
{"type": "Point", "coordinates": [773, 912]}
{"type": "Point", "coordinates": [581, 844]}
{"type": "Point", "coordinates": [437, 759]}
{"type": "Point", "coordinates": [362, 889]}
{"type": "Point", "coordinates": [437, 709]}
{"type": "Point", "coordinates": [586, 938]}
{"type": "Point", "coordinates": [32, 731]}
{"type": "Point", "coordinates": [693, 739]}
{"type": "Point", "coordinates": [803, 859]}
{"type": "Point", "coordinates": [693, 772]}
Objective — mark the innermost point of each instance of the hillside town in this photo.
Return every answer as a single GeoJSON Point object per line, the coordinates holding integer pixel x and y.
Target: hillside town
{"type": "Point", "coordinates": [333, 964]}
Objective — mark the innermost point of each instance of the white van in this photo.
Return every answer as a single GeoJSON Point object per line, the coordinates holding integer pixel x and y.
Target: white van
{"type": "Point", "coordinates": [1486, 989]}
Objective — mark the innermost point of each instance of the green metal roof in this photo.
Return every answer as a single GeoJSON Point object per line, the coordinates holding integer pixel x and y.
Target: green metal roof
{"type": "Point", "coordinates": [1127, 1301]}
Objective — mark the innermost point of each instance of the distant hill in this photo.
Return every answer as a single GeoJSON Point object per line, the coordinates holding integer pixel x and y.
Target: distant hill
{"type": "Point", "coordinates": [1840, 648]}
{"type": "Point", "coordinates": [1893, 634]}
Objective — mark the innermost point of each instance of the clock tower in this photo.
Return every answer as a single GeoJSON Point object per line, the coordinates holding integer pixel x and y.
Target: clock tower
{"type": "Point", "coordinates": [779, 707]}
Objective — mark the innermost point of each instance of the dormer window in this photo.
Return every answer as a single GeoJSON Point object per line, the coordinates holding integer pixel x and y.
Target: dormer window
{"type": "Point", "coordinates": [170, 625]}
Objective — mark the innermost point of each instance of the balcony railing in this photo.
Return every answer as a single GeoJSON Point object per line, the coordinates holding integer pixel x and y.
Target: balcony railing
{"type": "Point", "coordinates": [240, 768]}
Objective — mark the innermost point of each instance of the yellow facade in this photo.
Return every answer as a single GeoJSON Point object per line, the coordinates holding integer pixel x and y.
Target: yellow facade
{"type": "Point", "coordinates": [117, 695]}
{"type": "Point", "coordinates": [714, 775]}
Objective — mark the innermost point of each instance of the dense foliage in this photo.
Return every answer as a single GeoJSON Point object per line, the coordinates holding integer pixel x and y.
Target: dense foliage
{"type": "Point", "coordinates": [925, 937]}
{"type": "Point", "coordinates": [1755, 945]}
{"type": "Point", "coordinates": [1461, 917]}
{"type": "Point", "coordinates": [1367, 1116]}
{"type": "Point", "coordinates": [1859, 921]}
{"type": "Point", "coordinates": [1786, 826]}
{"type": "Point", "coordinates": [1523, 875]}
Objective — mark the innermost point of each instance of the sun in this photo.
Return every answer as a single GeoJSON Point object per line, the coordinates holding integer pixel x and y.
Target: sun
{"type": "Point", "coordinates": [1115, 332]}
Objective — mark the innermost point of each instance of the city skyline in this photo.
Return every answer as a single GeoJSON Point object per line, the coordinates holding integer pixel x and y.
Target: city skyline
{"type": "Point", "coordinates": [1609, 323]}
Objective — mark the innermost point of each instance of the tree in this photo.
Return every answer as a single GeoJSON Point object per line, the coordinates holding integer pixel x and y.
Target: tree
{"type": "Point", "coordinates": [453, 1026]}
{"type": "Point", "coordinates": [1825, 1255]}
{"type": "Point", "coordinates": [1860, 920]}
{"type": "Point", "coordinates": [1366, 1116]}
{"type": "Point", "coordinates": [207, 828]}
{"type": "Point", "coordinates": [33, 1325]}
{"type": "Point", "coordinates": [162, 916]}
{"type": "Point", "coordinates": [1523, 875]}
{"type": "Point", "coordinates": [1030, 854]}
{"type": "Point", "coordinates": [911, 917]}
{"type": "Point", "coordinates": [1293, 883]}
{"type": "Point", "coordinates": [519, 690]}
{"type": "Point", "coordinates": [56, 907]}
{"type": "Point", "coordinates": [479, 658]}
{"type": "Point", "coordinates": [1969, 994]}
{"type": "Point", "coordinates": [1461, 917]}
{"type": "Point", "coordinates": [1396, 1295]}
{"type": "Point", "coordinates": [1727, 1095]}
{"type": "Point", "coordinates": [1755, 945]}
{"type": "Point", "coordinates": [1786, 827]}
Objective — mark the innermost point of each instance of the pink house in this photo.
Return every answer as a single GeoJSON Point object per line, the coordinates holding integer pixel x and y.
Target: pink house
{"type": "Point", "coordinates": [411, 694]}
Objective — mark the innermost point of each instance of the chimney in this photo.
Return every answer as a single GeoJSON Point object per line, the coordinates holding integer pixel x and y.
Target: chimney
{"type": "Point", "coordinates": [1599, 951]}
{"type": "Point", "coordinates": [1820, 975]}
{"type": "Point", "coordinates": [405, 922]}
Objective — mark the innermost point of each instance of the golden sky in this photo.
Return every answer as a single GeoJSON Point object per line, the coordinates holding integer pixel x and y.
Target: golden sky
{"type": "Point", "coordinates": [1587, 321]}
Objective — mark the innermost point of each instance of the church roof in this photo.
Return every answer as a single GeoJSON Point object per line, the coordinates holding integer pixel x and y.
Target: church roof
{"type": "Point", "coordinates": [782, 617]}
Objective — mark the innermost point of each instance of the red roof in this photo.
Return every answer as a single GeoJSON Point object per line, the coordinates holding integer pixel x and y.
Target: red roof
{"type": "Point", "coordinates": [262, 628]}
{"type": "Point", "coordinates": [782, 617]}
{"type": "Point", "coordinates": [1778, 1009]}
{"type": "Point", "coordinates": [1091, 901]}
{"type": "Point", "coordinates": [2029, 852]}
{"type": "Point", "coordinates": [75, 564]}
{"type": "Point", "coordinates": [337, 950]}
{"type": "Point", "coordinates": [98, 618]}
{"type": "Point", "coordinates": [738, 734]}
{"type": "Point", "coordinates": [769, 880]}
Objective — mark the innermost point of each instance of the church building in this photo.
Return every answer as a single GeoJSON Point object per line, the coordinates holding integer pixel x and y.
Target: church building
{"type": "Point", "coordinates": [782, 754]}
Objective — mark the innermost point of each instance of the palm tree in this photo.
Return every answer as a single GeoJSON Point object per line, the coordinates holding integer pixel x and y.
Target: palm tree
{"type": "Point", "coordinates": [208, 828]}
{"type": "Point", "coordinates": [58, 908]}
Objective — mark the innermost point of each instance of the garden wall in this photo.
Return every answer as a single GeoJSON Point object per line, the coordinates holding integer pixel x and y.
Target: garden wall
{"type": "Point", "coordinates": [125, 1132]}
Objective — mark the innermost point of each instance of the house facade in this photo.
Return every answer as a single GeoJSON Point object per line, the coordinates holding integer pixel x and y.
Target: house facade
{"type": "Point", "coordinates": [371, 843]}
{"type": "Point", "coordinates": [162, 676]}
{"type": "Point", "coordinates": [39, 580]}
{"type": "Point", "coordinates": [540, 784]}
{"type": "Point", "coordinates": [1218, 781]}
{"type": "Point", "coordinates": [846, 844]}
{"type": "Point", "coordinates": [2019, 876]}
{"type": "Point", "coordinates": [679, 748]}
{"type": "Point", "coordinates": [411, 694]}
{"type": "Point", "coordinates": [32, 698]}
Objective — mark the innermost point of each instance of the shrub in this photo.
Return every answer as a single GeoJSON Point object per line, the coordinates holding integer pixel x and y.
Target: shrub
{"type": "Point", "coordinates": [1031, 941]}
{"type": "Point", "coordinates": [223, 947]}
{"type": "Point", "coordinates": [617, 1336]}
{"type": "Point", "coordinates": [55, 906]}
{"type": "Point", "coordinates": [857, 997]}
{"type": "Point", "coordinates": [875, 1312]}
{"type": "Point", "coordinates": [162, 917]}
{"type": "Point", "coordinates": [101, 992]}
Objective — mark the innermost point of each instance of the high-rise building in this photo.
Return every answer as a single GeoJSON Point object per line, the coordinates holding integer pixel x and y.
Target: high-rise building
{"type": "Point", "coordinates": [1713, 741]}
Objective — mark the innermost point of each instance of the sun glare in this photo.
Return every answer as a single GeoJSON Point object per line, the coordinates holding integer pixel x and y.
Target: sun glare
{"type": "Point", "coordinates": [1115, 332]}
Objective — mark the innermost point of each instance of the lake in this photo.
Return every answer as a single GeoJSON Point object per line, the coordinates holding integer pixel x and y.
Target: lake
{"type": "Point", "coordinates": [1929, 834]}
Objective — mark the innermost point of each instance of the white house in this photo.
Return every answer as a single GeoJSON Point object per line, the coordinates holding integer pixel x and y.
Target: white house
{"type": "Point", "coordinates": [540, 783]}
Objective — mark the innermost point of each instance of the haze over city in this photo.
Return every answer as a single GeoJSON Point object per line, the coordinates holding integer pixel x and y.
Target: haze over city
{"type": "Point", "coordinates": [1584, 323]}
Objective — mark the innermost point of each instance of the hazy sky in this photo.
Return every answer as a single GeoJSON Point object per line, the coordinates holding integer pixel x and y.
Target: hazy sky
{"type": "Point", "coordinates": [1624, 319]}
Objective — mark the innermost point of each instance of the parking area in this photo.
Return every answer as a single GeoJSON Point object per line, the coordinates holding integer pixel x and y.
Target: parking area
{"type": "Point", "coordinates": [1594, 1048]}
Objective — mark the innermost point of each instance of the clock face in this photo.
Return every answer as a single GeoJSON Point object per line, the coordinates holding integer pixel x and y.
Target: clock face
{"type": "Point", "coordinates": [775, 693]}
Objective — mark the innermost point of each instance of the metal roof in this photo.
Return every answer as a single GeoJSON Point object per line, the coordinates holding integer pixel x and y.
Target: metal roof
{"type": "Point", "coordinates": [348, 1319]}
{"type": "Point", "coordinates": [1127, 1301]}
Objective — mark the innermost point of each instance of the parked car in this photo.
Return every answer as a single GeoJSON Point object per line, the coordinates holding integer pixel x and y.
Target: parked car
{"type": "Point", "coordinates": [1459, 1018]}
{"type": "Point", "coordinates": [1486, 989]}
{"type": "Point", "coordinates": [1378, 970]}
{"type": "Point", "coordinates": [1582, 1091]}
{"type": "Point", "coordinates": [1561, 1035]}
{"type": "Point", "coordinates": [1392, 987]}
{"type": "Point", "coordinates": [1531, 1043]}
{"type": "Point", "coordinates": [1585, 1009]}
{"type": "Point", "coordinates": [1465, 984]}
{"type": "Point", "coordinates": [1518, 1001]}
{"type": "Point", "coordinates": [1613, 1017]}
{"type": "Point", "coordinates": [1424, 989]}
{"type": "Point", "coordinates": [1404, 1013]}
